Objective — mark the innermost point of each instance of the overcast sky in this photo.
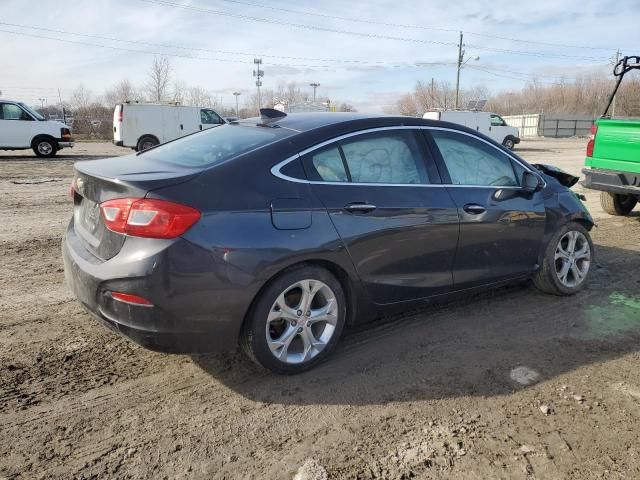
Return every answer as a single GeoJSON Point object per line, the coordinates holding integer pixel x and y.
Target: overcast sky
{"type": "Point", "coordinates": [373, 69]}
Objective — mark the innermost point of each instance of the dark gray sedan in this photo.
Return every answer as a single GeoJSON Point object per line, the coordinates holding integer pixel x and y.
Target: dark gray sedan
{"type": "Point", "coordinates": [277, 232]}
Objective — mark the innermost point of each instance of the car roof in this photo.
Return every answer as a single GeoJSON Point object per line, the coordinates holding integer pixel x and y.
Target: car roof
{"type": "Point", "coordinates": [303, 122]}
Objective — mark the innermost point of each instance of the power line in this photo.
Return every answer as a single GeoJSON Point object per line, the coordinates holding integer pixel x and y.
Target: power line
{"type": "Point", "coordinates": [182, 47]}
{"type": "Point", "coordinates": [412, 26]}
{"type": "Point", "coordinates": [362, 34]}
{"type": "Point", "coordinates": [373, 63]}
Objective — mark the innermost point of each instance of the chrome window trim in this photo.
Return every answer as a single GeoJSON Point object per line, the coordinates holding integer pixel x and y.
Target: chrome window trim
{"type": "Point", "coordinates": [275, 170]}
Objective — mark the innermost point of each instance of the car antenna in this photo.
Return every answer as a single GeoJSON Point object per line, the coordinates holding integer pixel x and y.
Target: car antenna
{"type": "Point", "coordinates": [270, 115]}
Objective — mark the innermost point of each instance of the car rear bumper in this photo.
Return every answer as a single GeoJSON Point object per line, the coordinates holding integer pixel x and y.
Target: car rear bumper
{"type": "Point", "coordinates": [118, 143]}
{"type": "Point", "coordinates": [613, 181]}
{"type": "Point", "coordinates": [66, 144]}
{"type": "Point", "coordinates": [189, 315]}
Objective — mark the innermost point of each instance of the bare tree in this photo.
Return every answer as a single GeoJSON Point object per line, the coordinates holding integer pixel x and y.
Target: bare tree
{"type": "Point", "coordinates": [122, 91]}
{"type": "Point", "coordinates": [159, 79]}
{"type": "Point", "coordinates": [81, 97]}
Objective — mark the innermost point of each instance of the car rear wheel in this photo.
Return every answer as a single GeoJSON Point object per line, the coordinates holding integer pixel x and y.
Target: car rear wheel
{"type": "Point", "coordinates": [147, 142]}
{"type": "Point", "coordinates": [567, 261]}
{"type": "Point", "coordinates": [296, 321]}
{"type": "Point", "coordinates": [509, 143]}
{"type": "Point", "coordinates": [617, 204]}
{"type": "Point", "coordinates": [44, 147]}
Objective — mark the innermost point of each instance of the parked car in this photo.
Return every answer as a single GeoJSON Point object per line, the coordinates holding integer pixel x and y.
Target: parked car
{"type": "Point", "coordinates": [22, 128]}
{"type": "Point", "coordinates": [275, 233]}
{"type": "Point", "coordinates": [613, 155]}
{"type": "Point", "coordinates": [489, 124]}
{"type": "Point", "coordinates": [145, 125]}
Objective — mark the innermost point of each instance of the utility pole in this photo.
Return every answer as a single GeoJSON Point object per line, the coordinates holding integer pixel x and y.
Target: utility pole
{"type": "Point", "coordinates": [64, 114]}
{"type": "Point", "coordinates": [258, 74]}
{"type": "Point", "coordinates": [314, 85]}
{"type": "Point", "coordinates": [460, 55]}
{"type": "Point", "coordinates": [613, 104]}
{"type": "Point", "coordinates": [433, 101]}
{"type": "Point", "coordinates": [237, 94]}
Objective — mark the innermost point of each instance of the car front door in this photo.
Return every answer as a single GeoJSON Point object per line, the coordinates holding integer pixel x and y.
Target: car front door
{"type": "Point", "coordinates": [501, 225]}
{"type": "Point", "coordinates": [399, 224]}
{"type": "Point", "coordinates": [15, 126]}
{"type": "Point", "coordinates": [209, 118]}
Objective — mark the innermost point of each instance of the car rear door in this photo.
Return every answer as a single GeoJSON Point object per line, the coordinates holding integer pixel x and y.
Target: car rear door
{"type": "Point", "coordinates": [398, 223]}
{"type": "Point", "coordinates": [501, 225]}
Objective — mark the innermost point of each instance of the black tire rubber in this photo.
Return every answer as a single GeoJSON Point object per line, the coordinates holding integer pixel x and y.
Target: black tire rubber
{"type": "Point", "coordinates": [50, 141]}
{"type": "Point", "coordinates": [617, 204]}
{"type": "Point", "coordinates": [253, 339]}
{"type": "Point", "coordinates": [146, 139]}
{"type": "Point", "coordinates": [509, 143]}
{"type": "Point", "coordinates": [545, 278]}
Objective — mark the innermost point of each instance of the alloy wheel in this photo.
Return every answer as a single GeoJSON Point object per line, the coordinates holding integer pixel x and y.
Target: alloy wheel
{"type": "Point", "coordinates": [572, 258]}
{"type": "Point", "coordinates": [302, 321]}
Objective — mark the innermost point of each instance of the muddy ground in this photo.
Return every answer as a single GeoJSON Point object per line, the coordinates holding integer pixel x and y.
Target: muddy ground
{"type": "Point", "coordinates": [454, 391]}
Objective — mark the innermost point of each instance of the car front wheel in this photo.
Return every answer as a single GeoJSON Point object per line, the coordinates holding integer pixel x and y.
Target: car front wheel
{"type": "Point", "coordinates": [296, 321]}
{"type": "Point", "coordinates": [567, 261]}
{"type": "Point", "coordinates": [45, 148]}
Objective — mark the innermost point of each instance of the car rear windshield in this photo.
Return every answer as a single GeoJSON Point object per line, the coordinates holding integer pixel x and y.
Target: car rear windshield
{"type": "Point", "coordinates": [216, 145]}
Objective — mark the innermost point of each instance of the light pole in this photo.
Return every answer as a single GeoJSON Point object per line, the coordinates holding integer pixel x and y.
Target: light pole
{"type": "Point", "coordinates": [42, 100]}
{"type": "Point", "coordinates": [314, 85]}
{"type": "Point", "coordinates": [237, 94]}
{"type": "Point", "coordinates": [461, 63]}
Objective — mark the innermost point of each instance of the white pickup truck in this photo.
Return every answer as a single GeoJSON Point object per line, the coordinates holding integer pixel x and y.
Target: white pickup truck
{"type": "Point", "coordinates": [22, 128]}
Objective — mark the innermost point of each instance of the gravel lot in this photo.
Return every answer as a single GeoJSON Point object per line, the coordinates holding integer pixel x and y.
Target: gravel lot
{"type": "Point", "coordinates": [511, 384]}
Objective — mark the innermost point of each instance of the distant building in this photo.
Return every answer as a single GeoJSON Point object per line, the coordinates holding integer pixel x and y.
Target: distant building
{"type": "Point", "coordinates": [302, 107]}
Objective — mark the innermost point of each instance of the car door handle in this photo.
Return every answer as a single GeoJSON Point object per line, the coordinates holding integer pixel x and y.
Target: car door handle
{"type": "Point", "coordinates": [474, 208]}
{"type": "Point", "coordinates": [359, 207]}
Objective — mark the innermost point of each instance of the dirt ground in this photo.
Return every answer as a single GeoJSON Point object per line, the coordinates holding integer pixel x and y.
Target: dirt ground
{"type": "Point", "coordinates": [511, 384]}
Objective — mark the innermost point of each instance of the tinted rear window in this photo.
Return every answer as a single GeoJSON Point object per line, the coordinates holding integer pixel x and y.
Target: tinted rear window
{"type": "Point", "coordinates": [216, 145]}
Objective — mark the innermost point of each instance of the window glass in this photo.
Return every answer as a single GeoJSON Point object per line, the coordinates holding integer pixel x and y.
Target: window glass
{"type": "Point", "coordinates": [13, 112]}
{"type": "Point", "coordinates": [209, 117]}
{"type": "Point", "coordinates": [497, 121]}
{"type": "Point", "coordinates": [391, 157]}
{"type": "Point", "coordinates": [328, 163]}
{"type": "Point", "coordinates": [473, 162]}
{"type": "Point", "coordinates": [215, 145]}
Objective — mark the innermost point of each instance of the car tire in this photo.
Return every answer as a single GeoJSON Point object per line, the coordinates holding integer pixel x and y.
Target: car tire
{"type": "Point", "coordinates": [280, 335]}
{"type": "Point", "coordinates": [509, 143]}
{"type": "Point", "coordinates": [567, 261]}
{"type": "Point", "coordinates": [146, 142]}
{"type": "Point", "coordinates": [45, 147]}
{"type": "Point", "coordinates": [617, 204]}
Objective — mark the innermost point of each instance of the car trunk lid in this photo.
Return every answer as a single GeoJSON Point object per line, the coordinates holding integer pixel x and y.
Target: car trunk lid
{"type": "Point", "coordinates": [131, 176]}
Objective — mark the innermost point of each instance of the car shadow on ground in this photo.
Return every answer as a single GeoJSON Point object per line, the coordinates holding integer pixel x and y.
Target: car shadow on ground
{"type": "Point", "coordinates": [462, 348]}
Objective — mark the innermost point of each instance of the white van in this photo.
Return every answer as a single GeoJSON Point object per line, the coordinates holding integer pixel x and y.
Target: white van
{"type": "Point", "coordinates": [22, 128]}
{"type": "Point", "coordinates": [490, 124]}
{"type": "Point", "coordinates": [145, 125]}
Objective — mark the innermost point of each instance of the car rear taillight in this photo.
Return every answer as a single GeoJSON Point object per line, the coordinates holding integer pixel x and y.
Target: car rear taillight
{"type": "Point", "coordinates": [131, 299]}
{"type": "Point", "coordinates": [149, 218]}
{"type": "Point", "coordinates": [120, 112]}
{"type": "Point", "coordinates": [592, 140]}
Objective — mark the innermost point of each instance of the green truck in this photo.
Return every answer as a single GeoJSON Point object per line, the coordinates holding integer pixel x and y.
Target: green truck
{"type": "Point", "coordinates": [613, 155]}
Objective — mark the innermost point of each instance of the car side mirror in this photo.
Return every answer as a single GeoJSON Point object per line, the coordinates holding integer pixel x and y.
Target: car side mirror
{"type": "Point", "coordinates": [531, 182]}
